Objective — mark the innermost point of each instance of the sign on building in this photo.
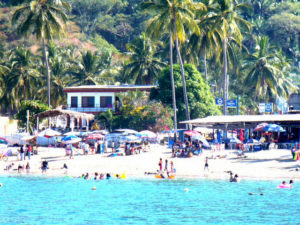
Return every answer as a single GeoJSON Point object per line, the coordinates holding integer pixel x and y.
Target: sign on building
{"type": "Point", "coordinates": [231, 103]}
{"type": "Point", "coordinates": [265, 107]}
{"type": "Point", "coordinates": [219, 101]}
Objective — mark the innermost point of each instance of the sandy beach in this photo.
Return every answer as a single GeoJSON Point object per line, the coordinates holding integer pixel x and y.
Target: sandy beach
{"type": "Point", "coordinates": [263, 165]}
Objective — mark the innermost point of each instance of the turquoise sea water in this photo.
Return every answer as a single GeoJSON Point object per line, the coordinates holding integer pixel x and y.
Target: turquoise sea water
{"type": "Point", "coordinates": [36, 200]}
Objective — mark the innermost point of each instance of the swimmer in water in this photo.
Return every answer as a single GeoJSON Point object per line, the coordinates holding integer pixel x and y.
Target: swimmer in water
{"type": "Point", "coordinates": [235, 178]}
{"type": "Point", "coordinates": [101, 176]}
{"type": "Point", "coordinates": [231, 177]}
{"type": "Point", "coordinates": [96, 176]}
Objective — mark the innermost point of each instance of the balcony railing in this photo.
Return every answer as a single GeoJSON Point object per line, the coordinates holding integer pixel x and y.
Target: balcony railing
{"type": "Point", "coordinates": [96, 108]}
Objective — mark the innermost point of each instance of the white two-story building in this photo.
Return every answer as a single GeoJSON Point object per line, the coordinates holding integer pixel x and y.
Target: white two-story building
{"type": "Point", "coordinates": [98, 98]}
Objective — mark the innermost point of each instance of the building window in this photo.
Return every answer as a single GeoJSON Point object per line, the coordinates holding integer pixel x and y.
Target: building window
{"type": "Point", "coordinates": [88, 102]}
{"type": "Point", "coordinates": [74, 102]}
{"type": "Point", "coordinates": [106, 102]}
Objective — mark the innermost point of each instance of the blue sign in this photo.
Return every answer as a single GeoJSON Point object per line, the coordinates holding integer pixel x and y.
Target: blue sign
{"type": "Point", "coordinates": [269, 107]}
{"type": "Point", "coordinates": [219, 101]}
{"type": "Point", "coordinates": [231, 103]}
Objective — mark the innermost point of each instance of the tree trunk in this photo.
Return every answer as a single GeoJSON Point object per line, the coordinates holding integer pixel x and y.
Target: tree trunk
{"type": "Point", "coordinates": [181, 68]}
{"type": "Point", "coordinates": [205, 63]}
{"type": "Point", "coordinates": [225, 94]}
{"type": "Point", "coordinates": [172, 83]}
{"type": "Point", "coordinates": [48, 72]}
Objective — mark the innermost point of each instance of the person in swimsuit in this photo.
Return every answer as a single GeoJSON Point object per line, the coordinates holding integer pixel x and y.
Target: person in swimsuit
{"type": "Point", "coordinates": [206, 164]}
{"type": "Point", "coordinates": [27, 167]}
{"type": "Point", "coordinates": [166, 165]}
{"type": "Point", "coordinates": [44, 166]}
{"type": "Point", "coordinates": [160, 164]}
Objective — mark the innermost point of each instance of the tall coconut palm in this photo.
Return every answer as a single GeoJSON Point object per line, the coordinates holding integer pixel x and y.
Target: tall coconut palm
{"type": "Point", "coordinates": [226, 17]}
{"type": "Point", "coordinates": [173, 17]}
{"type": "Point", "coordinates": [210, 39]}
{"type": "Point", "coordinates": [160, 24]}
{"type": "Point", "coordinates": [45, 19]}
{"type": "Point", "coordinates": [144, 65]}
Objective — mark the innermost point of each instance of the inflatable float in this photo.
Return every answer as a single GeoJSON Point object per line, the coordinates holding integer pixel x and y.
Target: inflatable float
{"type": "Point", "coordinates": [160, 177]}
{"type": "Point", "coordinates": [288, 186]}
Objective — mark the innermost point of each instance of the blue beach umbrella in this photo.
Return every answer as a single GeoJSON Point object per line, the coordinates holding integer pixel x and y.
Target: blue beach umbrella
{"type": "Point", "coordinates": [235, 140]}
{"type": "Point", "coordinates": [70, 139]}
{"type": "Point", "coordinates": [252, 141]}
{"type": "Point", "coordinates": [273, 128]}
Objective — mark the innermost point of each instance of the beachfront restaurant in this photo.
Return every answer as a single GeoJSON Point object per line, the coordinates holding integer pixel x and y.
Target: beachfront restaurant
{"type": "Point", "coordinates": [289, 122]}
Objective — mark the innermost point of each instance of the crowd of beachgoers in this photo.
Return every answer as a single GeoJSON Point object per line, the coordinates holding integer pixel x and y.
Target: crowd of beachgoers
{"type": "Point", "coordinates": [158, 161]}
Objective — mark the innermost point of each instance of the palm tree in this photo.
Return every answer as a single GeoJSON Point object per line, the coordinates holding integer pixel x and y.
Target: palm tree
{"type": "Point", "coordinates": [210, 38]}
{"type": "Point", "coordinates": [156, 28]}
{"type": "Point", "coordinates": [59, 80]}
{"type": "Point", "coordinates": [173, 17]}
{"type": "Point", "coordinates": [264, 72]}
{"type": "Point", "coordinates": [226, 17]}
{"type": "Point", "coordinates": [45, 19]}
{"type": "Point", "coordinates": [22, 77]}
{"type": "Point", "coordinates": [144, 66]}
{"type": "Point", "coordinates": [92, 69]}
{"type": "Point", "coordinates": [183, 17]}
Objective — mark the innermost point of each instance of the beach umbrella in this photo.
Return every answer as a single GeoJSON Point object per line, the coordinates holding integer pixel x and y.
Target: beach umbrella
{"type": "Point", "coordinates": [70, 139]}
{"type": "Point", "coordinates": [260, 127]}
{"type": "Point", "coordinates": [147, 133]}
{"type": "Point", "coordinates": [252, 141]}
{"type": "Point", "coordinates": [191, 133]}
{"type": "Point", "coordinates": [203, 130]}
{"type": "Point", "coordinates": [130, 138]}
{"type": "Point", "coordinates": [48, 133]}
{"type": "Point", "coordinates": [202, 139]}
{"type": "Point", "coordinates": [126, 131]}
{"type": "Point", "coordinates": [235, 140]}
{"type": "Point", "coordinates": [3, 141]}
{"type": "Point", "coordinates": [273, 128]}
{"type": "Point", "coordinates": [72, 133]}
{"type": "Point", "coordinates": [2, 138]}
{"type": "Point", "coordinates": [95, 137]}
{"type": "Point", "coordinates": [103, 132]}
{"type": "Point", "coordinates": [28, 138]}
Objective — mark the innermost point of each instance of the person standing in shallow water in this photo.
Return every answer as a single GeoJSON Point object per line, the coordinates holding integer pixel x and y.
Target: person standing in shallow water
{"type": "Point", "coordinates": [172, 167]}
{"type": "Point", "coordinates": [166, 165]}
{"type": "Point", "coordinates": [160, 164]}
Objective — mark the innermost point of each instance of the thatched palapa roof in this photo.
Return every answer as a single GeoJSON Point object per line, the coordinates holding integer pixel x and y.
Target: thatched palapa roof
{"type": "Point", "coordinates": [62, 112]}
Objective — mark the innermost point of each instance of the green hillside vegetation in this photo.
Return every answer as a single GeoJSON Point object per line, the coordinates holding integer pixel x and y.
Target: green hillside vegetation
{"type": "Point", "coordinates": [255, 42]}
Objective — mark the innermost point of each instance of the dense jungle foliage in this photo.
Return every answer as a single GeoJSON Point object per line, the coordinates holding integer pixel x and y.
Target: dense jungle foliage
{"type": "Point", "coordinates": [246, 48]}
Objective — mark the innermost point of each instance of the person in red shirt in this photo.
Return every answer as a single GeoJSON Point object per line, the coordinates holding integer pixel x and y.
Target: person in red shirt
{"type": "Point", "coordinates": [29, 150]}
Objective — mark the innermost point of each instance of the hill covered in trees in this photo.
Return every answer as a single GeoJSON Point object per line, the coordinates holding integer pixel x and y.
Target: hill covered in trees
{"type": "Point", "coordinates": [127, 41]}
